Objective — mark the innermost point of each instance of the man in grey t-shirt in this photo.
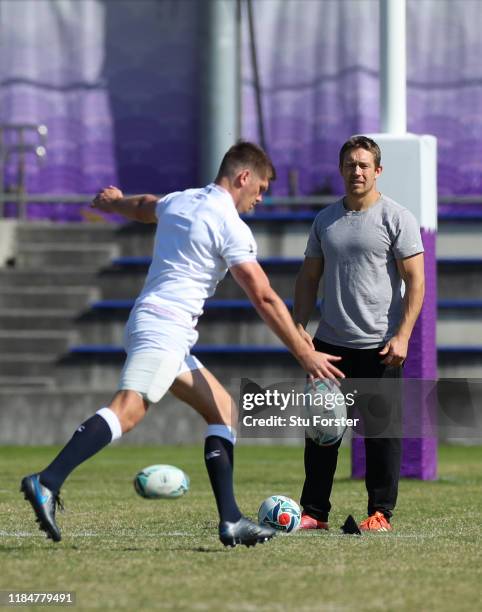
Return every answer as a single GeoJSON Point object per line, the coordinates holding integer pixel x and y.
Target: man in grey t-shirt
{"type": "Point", "coordinates": [362, 248]}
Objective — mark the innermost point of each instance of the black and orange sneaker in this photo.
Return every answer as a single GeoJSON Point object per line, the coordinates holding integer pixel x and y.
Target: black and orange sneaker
{"type": "Point", "coordinates": [375, 522]}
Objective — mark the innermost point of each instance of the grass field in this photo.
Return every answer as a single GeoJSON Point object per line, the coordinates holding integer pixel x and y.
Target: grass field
{"type": "Point", "coordinates": [123, 552]}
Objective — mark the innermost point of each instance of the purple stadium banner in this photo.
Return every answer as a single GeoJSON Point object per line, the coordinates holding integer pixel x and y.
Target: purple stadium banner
{"type": "Point", "coordinates": [116, 113]}
{"type": "Point", "coordinates": [320, 85]}
{"type": "Point", "coordinates": [129, 114]}
{"type": "Point", "coordinates": [53, 55]}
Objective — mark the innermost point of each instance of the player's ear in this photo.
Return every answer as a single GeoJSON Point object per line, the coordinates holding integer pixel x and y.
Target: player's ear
{"type": "Point", "coordinates": [244, 176]}
{"type": "Point", "coordinates": [378, 171]}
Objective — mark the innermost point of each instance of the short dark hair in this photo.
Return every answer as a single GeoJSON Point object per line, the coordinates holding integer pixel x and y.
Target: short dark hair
{"type": "Point", "coordinates": [361, 142]}
{"type": "Point", "coordinates": [246, 154]}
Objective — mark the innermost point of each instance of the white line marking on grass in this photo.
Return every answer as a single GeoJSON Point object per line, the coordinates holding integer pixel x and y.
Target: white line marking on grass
{"type": "Point", "coordinates": [183, 534]}
{"type": "Point", "coordinates": [18, 534]}
{"type": "Point", "coordinates": [416, 535]}
{"type": "Point", "coordinates": [390, 535]}
{"type": "Point", "coordinates": [94, 534]}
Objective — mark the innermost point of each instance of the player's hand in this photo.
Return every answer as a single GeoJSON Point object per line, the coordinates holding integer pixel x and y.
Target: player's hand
{"type": "Point", "coordinates": [105, 197]}
{"type": "Point", "coordinates": [321, 365]}
{"type": "Point", "coordinates": [395, 351]}
{"type": "Point", "coordinates": [305, 335]}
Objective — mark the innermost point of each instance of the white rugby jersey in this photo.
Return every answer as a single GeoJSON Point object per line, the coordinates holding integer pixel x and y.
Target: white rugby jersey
{"type": "Point", "coordinates": [199, 236]}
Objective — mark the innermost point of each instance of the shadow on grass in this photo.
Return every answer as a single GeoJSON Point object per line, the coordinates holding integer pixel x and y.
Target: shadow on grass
{"type": "Point", "coordinates": [194, 549]}
{"type": "Point", "coordinates": [205, 549]}
{"type": "Point", "coordinates": [38, 548]}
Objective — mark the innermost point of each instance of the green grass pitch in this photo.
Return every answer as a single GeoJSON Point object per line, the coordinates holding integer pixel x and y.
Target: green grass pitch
{"type": "Point", "coordinates": [120, 551]}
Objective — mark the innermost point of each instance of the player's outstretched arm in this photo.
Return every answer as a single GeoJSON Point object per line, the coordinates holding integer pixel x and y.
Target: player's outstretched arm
{"type": "Point", "coordinates": [271, 308]}
{"type": "Point", "coordinates": [140, 208]}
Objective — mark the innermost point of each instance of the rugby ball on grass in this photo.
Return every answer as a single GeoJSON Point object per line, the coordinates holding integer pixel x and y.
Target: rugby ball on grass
{"type": "Point", "coordinates": [161, 482]}
{"type": "Point", "coordinates": [280, 512]}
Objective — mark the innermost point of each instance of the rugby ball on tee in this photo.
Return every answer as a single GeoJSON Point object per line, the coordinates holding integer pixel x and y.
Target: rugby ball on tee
{"type": "Point", "coordinates": [161, 482]}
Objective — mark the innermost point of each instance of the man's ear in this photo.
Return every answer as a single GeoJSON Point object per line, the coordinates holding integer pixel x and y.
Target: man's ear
{"type": "Point", "coordinates": [378, 171]}
{"type": "Point", "coordinates": [243, 177]}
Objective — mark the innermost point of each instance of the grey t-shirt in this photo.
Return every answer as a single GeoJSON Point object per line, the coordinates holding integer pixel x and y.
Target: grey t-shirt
{"type": "Point", "coordinates": [362, 300]}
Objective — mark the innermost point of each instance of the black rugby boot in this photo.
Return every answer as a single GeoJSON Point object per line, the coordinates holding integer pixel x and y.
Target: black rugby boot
{"type": "Point", "coordinates": [43, 502]}
{"type": "Point", "coordinates": [244, 532]}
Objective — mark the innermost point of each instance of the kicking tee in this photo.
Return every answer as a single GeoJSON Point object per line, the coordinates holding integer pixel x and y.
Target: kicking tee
{"type": "Point", "coordinates": [199, 236]}
{"type": "Point", "coordinates": [362, 291]}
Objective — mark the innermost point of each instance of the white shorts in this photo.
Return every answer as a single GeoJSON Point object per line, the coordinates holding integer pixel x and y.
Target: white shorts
{"type": "Point", "coordinates": [158, 344]}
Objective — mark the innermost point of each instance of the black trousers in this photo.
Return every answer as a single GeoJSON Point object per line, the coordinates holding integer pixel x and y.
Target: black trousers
{"type": "Point", "coordinates": [383, 454]}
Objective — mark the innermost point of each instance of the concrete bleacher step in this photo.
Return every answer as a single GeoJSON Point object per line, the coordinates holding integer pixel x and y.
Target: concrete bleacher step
{"type": "Point", "coordinates": [460, 361]}
{"type": "Point", "coordinates": [35, 342]}
{"type": "Point", "coordinates": [38, 319]}
{"type": "Point", "coordinates": [460, 237]}
{"type": "Point", "coordinates": [74, 233]}
{"type": "Point", "coordinates": [49, 276]}
{"type": "Point", "coordinates": [131, 238]}
{"type": "Point", "coordinates": [65, 255]}
{"type": "Point", "coordinates": [459, 323]}
{"type": "Point", "coordinates": [26, 382]}
{"type": "Point", "coordinates": [58, 297]}
{"type": "Point", "coordinates": [459, 277]}
{"type": "Point", "coordinates": [27, 365]}
{"type": "Point", "coordinates": [90, 371]}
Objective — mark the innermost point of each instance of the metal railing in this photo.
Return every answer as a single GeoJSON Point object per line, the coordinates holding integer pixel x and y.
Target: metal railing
{"type": "Point", "coordinates": [23, 199]}
{"type": "Point", "coordinates": [18, 140]}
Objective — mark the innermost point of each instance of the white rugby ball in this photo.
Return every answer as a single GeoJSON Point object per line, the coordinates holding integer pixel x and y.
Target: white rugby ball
{"type": "Point", "coordinates": [281, 513]}
{"type": "Point", "coordinates": [161, 482]}
{"type": "Point", "coordinates": [325, 408]}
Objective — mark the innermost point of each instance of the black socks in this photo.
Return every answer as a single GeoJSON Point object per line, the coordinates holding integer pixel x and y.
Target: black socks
{"type": "Point", "coordinates": [88, 439]}
{"type": "Point", "coordinates": [218, 455]}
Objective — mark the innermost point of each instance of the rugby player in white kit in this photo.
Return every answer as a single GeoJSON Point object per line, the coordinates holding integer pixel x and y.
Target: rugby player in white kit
{"type": "Point", "coordinates": [199, 236]}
